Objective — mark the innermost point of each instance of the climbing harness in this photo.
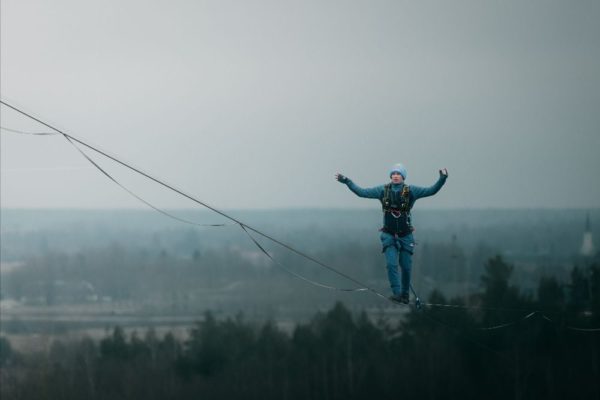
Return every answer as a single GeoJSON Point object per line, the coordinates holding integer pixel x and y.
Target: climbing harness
{"type": "Point", "coordinates": [396, 211]}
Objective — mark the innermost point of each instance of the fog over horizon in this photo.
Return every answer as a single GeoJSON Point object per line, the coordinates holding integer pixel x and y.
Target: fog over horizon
{"type": "Point", "coordinates": [256, 105]}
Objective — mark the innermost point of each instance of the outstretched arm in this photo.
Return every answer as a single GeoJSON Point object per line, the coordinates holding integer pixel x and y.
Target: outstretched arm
{"type": "Point", "coordinates": [419, 192]}
{"type": "Point", "coordinates": [370, 193]}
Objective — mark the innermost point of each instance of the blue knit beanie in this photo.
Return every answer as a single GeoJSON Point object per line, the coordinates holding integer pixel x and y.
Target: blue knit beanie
{"type": "Point", "coordinates": [399, 168]}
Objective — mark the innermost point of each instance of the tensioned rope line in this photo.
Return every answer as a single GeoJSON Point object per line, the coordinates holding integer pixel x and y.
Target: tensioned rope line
{"type": "Point", "coordinates": [263, 250]}
{"type": "Point", "coordinates": [457, 306]}
{"type": "Point", "coordinates": [190, 197]}
{"type": "Point", "coordinates": [104, 153]}
{"type": "Point", "coordinates": [243, 225]}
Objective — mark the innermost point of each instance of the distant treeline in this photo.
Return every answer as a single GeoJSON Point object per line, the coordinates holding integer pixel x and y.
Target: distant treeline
{"type": "Point", "coordinates": [229, 278]}
{"type": "Point", "coordinates": [436, 353]}
{"type": "Point", "coordinates": [555, 234]}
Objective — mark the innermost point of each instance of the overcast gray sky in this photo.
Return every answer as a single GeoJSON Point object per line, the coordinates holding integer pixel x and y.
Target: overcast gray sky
{"type": "Point", "coordinates": [256, 104]}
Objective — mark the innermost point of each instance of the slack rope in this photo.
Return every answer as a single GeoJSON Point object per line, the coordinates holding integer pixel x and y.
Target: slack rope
{"type": "Point", "coordinates": [280, 265]}
{"type": "Point", "coordinates": [244, 226]}
{"type": "Point", "coordinates": [114, 180]}
{"type": "Point", "coordinates": [192, 198]}
{"type": "Point", "coordinates": [28, 133]}
{"type": "Point", "coordinates": [506, 325]}
{"type": "Point", "coordinates": [185, 221]}
{"type": "Point", "coordinates": [571, 328]}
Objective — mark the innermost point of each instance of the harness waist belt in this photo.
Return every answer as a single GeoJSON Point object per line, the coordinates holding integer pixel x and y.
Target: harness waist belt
{"type": "Point", "coordinates": [399, 234]}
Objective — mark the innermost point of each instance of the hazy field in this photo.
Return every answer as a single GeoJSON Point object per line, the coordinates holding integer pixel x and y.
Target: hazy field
{"type": "Point", "coordinates": [75, 272]}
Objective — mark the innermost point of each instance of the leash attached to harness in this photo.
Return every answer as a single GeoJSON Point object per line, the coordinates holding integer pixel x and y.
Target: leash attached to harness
{"type": "Point", "coordinates": [418, 304]}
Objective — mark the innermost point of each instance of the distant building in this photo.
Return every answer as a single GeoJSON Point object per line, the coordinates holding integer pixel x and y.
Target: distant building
{"type": "Point", "coordinates": [587, 246]}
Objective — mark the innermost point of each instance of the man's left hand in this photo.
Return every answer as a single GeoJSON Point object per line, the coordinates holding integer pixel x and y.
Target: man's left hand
{"type": "Point", "coordinates": [444, 172]}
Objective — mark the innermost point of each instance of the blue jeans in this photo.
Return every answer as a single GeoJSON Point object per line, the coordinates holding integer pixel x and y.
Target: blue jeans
{"type": "Point", "coordinates": [398, 252]}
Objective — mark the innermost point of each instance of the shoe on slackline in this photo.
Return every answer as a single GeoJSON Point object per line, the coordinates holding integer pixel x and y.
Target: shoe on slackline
{"type": "Point", "coordinates": [400, 298]}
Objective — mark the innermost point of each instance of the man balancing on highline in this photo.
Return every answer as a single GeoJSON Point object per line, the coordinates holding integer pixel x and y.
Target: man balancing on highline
{"type": "Point", "coordinates": [397, 199]}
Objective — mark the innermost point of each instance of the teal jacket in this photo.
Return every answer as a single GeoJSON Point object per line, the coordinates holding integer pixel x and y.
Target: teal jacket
{"type": "Point", "coordinates": [416, 192]}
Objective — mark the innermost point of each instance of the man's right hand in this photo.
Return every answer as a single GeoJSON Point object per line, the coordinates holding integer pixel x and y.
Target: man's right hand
{"type": "Point", "coordinates": [341, 178]}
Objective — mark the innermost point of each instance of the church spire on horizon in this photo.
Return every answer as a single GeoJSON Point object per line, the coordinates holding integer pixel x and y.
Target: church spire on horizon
{"type": "Point", "coordinates": [587, 245]}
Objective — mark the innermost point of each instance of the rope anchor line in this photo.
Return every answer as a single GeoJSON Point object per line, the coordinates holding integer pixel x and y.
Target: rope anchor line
{"type": "Point", "coordinates": [247, 228]}
{"type": "Point", "coordinates": [72, 140]}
